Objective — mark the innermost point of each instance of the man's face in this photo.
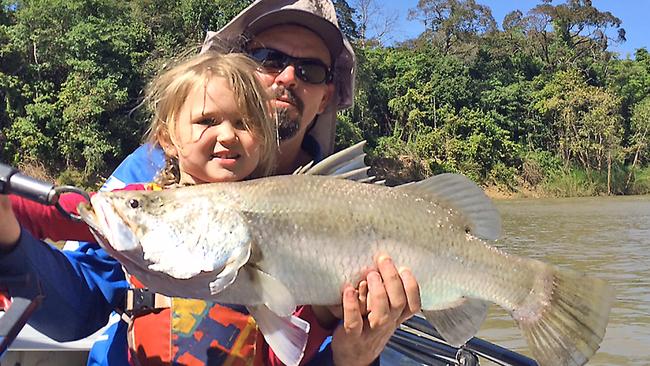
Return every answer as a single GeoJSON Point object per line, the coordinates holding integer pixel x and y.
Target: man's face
{"type": "Point", "coordinates": [297, 102]}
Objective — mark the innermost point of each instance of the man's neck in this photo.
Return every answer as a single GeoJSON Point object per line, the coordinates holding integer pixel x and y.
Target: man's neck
{"type": "Point", "coordinates": [292, 156]}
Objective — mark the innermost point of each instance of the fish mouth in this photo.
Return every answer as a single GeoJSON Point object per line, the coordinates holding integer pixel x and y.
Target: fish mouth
{"type": "Point", "coordinates": [106, 223]}
{"type": "Point", "coordinates": [95, 215]}
{"type": "Point", "coordinates": [89, 217]}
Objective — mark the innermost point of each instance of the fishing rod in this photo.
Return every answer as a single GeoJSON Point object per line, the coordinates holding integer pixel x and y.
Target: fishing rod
{"type": "Point", "coordinates": [18, 308]}
{"type": "Point", "coordinates": [14, 182]}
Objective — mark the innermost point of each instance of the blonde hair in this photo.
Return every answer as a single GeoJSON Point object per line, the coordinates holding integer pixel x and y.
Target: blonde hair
{"type": "Point", "coordinates": [167, 93]}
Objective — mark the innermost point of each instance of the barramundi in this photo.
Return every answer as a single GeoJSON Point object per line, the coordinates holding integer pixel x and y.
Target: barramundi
{"type": "Point", "coordinates": [277, 242]}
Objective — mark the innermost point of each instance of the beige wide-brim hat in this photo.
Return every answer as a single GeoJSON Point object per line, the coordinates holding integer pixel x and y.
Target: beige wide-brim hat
{"type": "Point", "coordinates": [320, 17]}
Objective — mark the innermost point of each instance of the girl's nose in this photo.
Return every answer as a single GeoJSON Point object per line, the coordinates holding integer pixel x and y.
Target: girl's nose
{"type": "Point", "coordinates": [226, 132]}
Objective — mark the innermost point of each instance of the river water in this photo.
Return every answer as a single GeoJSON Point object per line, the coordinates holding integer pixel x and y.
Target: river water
{"type": "Point", "coordinates": [605, 237]}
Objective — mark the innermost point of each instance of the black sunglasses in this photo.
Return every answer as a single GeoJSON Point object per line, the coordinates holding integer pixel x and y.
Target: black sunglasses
{"type": "Point", "coordinates": [310, 70]}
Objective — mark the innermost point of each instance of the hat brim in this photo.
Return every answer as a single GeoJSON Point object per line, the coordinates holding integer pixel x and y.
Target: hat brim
{"type": "Point", "coordinates": [327, 31]}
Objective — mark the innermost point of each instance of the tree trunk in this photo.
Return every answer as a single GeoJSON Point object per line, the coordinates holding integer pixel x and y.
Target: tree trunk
{"type": "Point", "coordinates": [609, 173]}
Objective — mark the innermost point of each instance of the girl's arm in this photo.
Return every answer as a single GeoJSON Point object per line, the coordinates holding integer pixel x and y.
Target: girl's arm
{"type": "Point", "coordinates": [9, 228]}
{"type": "Point", "coordinates": [81, 288]}
{"type": "Point", "coordinates": [46, 222]}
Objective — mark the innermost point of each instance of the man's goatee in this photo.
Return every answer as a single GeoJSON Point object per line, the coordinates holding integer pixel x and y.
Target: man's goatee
{"type": "Point", "coordinates": [287, 127]}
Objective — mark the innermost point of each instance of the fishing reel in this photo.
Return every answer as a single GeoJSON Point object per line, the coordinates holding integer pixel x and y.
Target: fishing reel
{"type": "Point", "coordinates": [14, 182]}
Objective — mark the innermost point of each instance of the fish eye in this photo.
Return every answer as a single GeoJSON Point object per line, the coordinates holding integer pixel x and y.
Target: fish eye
{"type": "Point", "coordinates": [133, 203]}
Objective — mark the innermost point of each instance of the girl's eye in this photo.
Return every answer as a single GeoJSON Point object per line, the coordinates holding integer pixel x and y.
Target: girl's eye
{"type": "Point", "coordinates": [208, 122]}
{"type": "Point", "coordinates": [239, 124]}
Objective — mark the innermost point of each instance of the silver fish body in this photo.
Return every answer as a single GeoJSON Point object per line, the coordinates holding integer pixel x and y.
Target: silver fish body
{"type": "Point", "coordinates": [287, 240]}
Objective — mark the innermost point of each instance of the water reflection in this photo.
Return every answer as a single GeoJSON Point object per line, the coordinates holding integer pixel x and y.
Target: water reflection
{"type": "Point", "coordinates": [605, 237]}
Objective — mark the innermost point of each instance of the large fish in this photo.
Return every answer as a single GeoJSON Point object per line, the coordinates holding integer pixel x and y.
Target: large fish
{"type": "Point", "coordinates": [277, 242]}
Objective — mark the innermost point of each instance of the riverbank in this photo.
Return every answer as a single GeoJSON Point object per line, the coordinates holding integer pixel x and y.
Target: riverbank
{"type": "Point", "coordinates": [496, 193]}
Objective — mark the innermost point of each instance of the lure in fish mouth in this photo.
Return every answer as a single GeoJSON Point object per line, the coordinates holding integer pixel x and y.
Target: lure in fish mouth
{"type": "Point", "coordinates": [96, 221]}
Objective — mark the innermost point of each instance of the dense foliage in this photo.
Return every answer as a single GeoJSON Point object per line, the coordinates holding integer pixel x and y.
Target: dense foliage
{"type": "Point", "coordinates": [538, 102]}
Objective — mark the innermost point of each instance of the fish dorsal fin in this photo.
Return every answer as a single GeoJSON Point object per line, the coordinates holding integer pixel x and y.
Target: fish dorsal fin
{"type": "Point", "coordinates": [274, 294]}
{"type": "Point", "coordinates": [458, 192]}
{"type": "Point", "coordinates": [460, 321]}
{"type": "Point", "coordinates": [286, 336]}
{"type": "Point", "coordinates": [346, 164]}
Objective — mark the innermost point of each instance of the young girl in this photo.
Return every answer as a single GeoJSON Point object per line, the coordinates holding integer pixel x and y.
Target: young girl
{"type": "Point", "coordinates": [212, 119]}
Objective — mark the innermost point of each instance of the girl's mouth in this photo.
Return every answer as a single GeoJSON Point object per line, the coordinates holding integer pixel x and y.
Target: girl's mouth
{"type": "Point", "coordinates": [228, 155]}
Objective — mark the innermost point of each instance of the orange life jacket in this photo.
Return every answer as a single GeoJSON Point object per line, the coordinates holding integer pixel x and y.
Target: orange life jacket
{"type": "Point", "coordinates": [193, 333]}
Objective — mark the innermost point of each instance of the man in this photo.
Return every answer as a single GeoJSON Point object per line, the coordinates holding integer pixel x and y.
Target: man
{"type": "Point", "coordinates": [309, 66]}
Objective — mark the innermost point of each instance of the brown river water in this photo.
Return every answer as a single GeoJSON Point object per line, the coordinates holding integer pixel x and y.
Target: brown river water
{"type": "Point", "coordinates": [608, 237]}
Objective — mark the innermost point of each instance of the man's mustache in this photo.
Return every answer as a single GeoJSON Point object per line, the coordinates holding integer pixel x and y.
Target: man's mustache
{"type": "Point", "coordinates": [280, 92]}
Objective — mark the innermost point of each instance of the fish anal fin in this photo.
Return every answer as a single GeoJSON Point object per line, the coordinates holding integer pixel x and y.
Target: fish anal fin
{"type": "Point", "coordinates": [286, 336]}
{"type": "Point", "coordinates": [458, 192]}
{"type": "Point", "coordinates": [460, 320]}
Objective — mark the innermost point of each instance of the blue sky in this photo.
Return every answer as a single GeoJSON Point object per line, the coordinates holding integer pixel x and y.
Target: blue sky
{"type": "Point", "coordinates": [635, 15]}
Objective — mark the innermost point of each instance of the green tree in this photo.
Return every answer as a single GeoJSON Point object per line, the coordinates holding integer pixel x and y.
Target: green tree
{"type": "Point", "coordinates": [572, 34]}
{"type": "Point", "coordinates": [640, 140]}
{"type": "Point", "coordinates": [71, 73]}
{"type": "Point", "coordinates": [346, 18]}
{"type": "Point", "coordinates": [586, 120]}
{"type": "Point", "coordinates": [453, 24]}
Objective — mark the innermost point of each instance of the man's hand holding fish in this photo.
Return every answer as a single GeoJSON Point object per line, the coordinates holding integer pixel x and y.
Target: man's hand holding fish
{"type": "Point", "coordinates": [386, 298]}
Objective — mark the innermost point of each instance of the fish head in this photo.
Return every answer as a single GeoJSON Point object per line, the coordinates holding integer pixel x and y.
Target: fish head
{"type": "Point", "coordinates": [179, 234]}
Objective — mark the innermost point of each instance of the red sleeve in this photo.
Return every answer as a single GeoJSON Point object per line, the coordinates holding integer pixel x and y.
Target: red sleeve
{"type": "Point", "coordinates": [317, 335]}
{"type": "Point", "coordinates": [46, 222]}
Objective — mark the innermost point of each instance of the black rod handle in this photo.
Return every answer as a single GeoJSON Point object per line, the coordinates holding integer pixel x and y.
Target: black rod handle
{"type": "Point", "coordinates": [14, 182]}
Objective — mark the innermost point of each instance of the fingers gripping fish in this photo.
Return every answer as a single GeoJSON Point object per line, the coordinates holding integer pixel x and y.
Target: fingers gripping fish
{"type": "Point", "coordinates": [265, 243]}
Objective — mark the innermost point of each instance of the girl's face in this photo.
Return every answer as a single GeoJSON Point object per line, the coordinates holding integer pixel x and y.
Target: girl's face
{"type": "Point", "coordinates": [214, 145]}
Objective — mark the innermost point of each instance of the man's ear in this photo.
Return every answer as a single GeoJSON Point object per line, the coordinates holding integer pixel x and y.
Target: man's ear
{"type": "Point", "coordinates": [326, 98]}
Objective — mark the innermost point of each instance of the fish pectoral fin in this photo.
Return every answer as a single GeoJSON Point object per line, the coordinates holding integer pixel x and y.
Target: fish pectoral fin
{"type": "Point", "coordinates": [238, 259]}
{"type": "Point", "coordinates": [459, 322]}
{"type": "Point", "coordinates": [229, 273]}
{"type": "Point", "coordinates": [287, 336]}
{"type": "Point", "coordinates": [274, 294]}
{"type": "Point", "coordinates": [222, 282]}
{"type": "Point", "coordinates": [460, 193]}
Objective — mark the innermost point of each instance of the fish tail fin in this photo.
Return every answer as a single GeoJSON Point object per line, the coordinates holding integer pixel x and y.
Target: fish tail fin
{"type": "Point", "coordinates": [565, 316]}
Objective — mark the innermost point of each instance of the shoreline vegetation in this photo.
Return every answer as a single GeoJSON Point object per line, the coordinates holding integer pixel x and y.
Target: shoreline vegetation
{"type": "Point", "coordinates": [552, 184]}
{"type": "Point", "coordinates": [535, 104]}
